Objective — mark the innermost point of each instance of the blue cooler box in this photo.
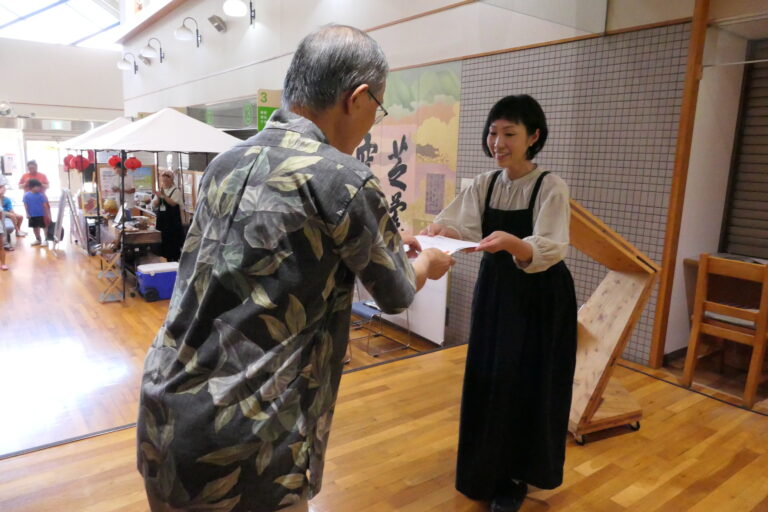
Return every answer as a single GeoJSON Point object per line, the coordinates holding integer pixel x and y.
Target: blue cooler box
{"type": "Point", "coordinates": [156, 280]}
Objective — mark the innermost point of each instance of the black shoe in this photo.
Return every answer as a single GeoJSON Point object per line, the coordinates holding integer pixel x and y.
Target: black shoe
{"type": "Point", "coordinates": [512, 501]}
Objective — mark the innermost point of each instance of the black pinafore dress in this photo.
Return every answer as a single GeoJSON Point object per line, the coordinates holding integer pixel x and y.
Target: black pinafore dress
{"type": "Point", "coordinates": [519, 370]}
{"type": "Point", "coordinates": [171, 230]}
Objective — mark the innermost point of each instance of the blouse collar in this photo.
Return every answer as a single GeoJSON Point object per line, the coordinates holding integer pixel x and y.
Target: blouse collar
{"type": "Point", "coordinates": [522, 179]}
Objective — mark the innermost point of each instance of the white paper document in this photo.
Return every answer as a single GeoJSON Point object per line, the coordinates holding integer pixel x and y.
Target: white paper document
{"type": "Point", "coordinates": [445, 244]}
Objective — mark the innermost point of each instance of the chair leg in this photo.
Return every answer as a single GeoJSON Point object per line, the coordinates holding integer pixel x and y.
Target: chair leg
{"type": "Point", "coordinates": [691, 357]}
{"type": "Point", "coordinates": [753, 376]}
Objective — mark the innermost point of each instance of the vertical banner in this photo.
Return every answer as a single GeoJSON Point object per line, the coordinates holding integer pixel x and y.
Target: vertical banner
{"type": "Point", "coordinates": [413, 151]}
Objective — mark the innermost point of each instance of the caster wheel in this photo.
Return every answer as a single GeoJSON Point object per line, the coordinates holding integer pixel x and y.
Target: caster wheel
{"type": "Point", "coordinates": [133, 294]}
{"type": "Point", "coordinates": [634, 426]}
{"type": "Point", "coordinates": [580, 440]}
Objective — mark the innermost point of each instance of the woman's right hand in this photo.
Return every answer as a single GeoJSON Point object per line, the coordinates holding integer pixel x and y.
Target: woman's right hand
{"type": "Point", "coordinates": [436, 229]}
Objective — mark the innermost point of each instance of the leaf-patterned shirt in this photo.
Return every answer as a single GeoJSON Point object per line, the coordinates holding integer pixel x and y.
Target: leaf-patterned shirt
{"type": "Point", "coordinates": [240, 383]}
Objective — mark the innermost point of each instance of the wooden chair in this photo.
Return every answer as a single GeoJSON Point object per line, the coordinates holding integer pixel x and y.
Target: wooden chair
{"type": "Point", "coordinates": [731, 322]}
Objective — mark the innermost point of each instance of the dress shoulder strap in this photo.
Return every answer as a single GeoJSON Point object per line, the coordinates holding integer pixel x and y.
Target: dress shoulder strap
{"type": "Point", "coordinates": [490, 189]}
{"type": "Point", "coordinates": [535, 192]}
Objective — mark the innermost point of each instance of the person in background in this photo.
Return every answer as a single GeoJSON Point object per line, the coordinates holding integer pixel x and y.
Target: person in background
{"type": "Point", "coordinates": [3, 265]}
{"type": "Point", "coordinates": [3, 183]}
{"type": "Point", "coordinates": [240, 384]}
{"type": "Point", "coordinates": [11, 216]}
{"type": "Point", "coordinates": [121, 176]}
{"type": "Point", "coordinates": [166, 203]}
{"type": "Point", "coordinates": [38, 209]}
{"type": "Point", "coordinates": [522, 345]}
{"type": "Point", "coordinates": [33, 175]}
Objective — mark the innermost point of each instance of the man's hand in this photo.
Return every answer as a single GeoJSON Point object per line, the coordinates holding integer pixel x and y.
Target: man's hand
{"type": "Point", "coordinates": [414, 247]}
{"type": "Point", "coordinates": [439, 263]}
{"type": "Point", "coordinates": [431, 264]}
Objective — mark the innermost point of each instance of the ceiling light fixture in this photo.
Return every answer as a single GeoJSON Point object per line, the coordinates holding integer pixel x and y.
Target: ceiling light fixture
{"type": "Point", "coordinates": [238, 9]}
{"type": "Point", "coordinates": [151, 52]}
{"type": "Point", "coordinates": [184, 33]}
{"type": "Point", "coordinates": [125, 65]}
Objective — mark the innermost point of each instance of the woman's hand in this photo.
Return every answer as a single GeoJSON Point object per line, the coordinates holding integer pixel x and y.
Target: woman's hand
{"type": "Point", "coordinates": [436, 229]}
{"type": "Point", "coordinates": [497, 241]}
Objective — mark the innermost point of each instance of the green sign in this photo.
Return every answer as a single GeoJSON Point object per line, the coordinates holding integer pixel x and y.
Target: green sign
{"type": "Point", "coordinates": [263, 114]}
{"type": "Point", "coordinates": [247, 114]}
{"type": "Point", "coordinates": [209, 116]}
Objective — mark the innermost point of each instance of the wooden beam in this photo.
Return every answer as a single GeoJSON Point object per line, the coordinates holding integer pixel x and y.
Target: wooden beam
{"type": "Point", "coordinates": [679, 178]}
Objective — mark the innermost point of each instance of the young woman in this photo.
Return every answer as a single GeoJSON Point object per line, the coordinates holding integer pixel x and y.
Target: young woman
{"type": "Point", "coordinates": [522, 345]}
{"type": "Point", "coordinates": [167, 205]}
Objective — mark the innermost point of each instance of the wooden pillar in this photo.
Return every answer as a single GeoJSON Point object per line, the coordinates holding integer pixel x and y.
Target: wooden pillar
{"type": "Point", "coordinates": [679, 178]}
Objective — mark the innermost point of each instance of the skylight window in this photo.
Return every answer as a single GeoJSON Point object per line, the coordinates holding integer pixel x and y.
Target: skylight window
{"type": "Point", "coordinates": [87, 23]}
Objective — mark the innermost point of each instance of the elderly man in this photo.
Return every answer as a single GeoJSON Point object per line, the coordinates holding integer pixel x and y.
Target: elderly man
{"type": "Point", "coordinates": [240, 383]}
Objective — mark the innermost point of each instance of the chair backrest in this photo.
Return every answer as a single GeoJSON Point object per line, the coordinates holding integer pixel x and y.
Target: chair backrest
{"type": "Point", "coordinates": [754, 314]}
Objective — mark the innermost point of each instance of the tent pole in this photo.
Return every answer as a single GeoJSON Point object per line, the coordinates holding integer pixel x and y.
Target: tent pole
{"type": "Point", "coordinates": [98, 196]}
{"type": "Point", "coordinates": [124, 156]}
{"type": "Point", "coordinates": [182, 214]}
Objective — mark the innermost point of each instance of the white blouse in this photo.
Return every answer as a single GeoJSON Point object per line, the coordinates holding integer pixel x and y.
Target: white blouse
{"type": "Point", "coordinates": [551, 213]}
{"type": "Point", "coordinates": [173, 193]}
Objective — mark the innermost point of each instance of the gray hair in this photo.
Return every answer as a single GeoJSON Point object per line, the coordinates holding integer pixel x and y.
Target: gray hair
{"type": "Point", "coordinates": [330, 62]}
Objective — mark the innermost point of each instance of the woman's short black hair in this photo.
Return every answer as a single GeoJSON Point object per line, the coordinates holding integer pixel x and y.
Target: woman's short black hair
{"type": "Point", "coordinates": [521, 109]}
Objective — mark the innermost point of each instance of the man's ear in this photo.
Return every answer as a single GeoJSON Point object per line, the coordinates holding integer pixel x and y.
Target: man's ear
{"type": "Point", "coordinates": [354, 98]}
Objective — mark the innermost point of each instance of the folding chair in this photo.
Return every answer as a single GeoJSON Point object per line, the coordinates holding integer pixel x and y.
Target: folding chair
{"type": "Point", "coordinates": [110, 274]}
{"type": "Point", "coordinates": [369, 314]}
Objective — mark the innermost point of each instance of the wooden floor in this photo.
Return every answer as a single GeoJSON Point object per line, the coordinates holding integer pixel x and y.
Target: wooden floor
{"type": "Point", "coordinates": [393, 448]}
{"type": "Point", "coordinates": [70, 365]}
{"type": "Point", "coordinates": [726, 383]}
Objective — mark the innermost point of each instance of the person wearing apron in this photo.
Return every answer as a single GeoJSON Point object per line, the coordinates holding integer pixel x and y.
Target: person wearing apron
{"type": "Point", "coordinates": [167, 205]}
{"type": "Point", "coordinates": [522, 344]}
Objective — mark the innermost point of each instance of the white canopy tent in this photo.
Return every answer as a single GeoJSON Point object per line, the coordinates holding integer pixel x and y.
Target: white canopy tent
{"type": "Point", "coordinates": [82, 141]}
{"type": "Point", "coordinates": [166, 130]}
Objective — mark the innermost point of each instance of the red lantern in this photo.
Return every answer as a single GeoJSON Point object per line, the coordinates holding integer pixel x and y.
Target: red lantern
{"type": "Point", "coordinates": [132, 163]}
{"type": "Point", "coordinates": [91, 155]}
{"type": "Point", "coordinates": [68, 162]}
{"type": "Point", "coordinates": [114, 160]}
{"type": "Point", "coordinates": [80, 163]}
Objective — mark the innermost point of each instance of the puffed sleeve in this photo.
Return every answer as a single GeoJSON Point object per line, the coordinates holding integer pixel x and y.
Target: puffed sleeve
{"type": "Point", "coordinates": [465, 214]}
{"type": "Point", "coordinates": [551, 227]}
{"type": "Point", "coordinates": [370, 245]}
{"type": "Point", "coordinates": [176, 196]}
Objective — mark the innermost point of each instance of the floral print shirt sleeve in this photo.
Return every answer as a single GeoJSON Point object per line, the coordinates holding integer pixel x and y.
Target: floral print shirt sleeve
{"type": "Point", "coordinates": [239, 385]}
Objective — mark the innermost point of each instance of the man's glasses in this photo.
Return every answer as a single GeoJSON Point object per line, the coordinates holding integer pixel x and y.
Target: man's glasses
{"type": "Point", "coordinates": [381, 112]}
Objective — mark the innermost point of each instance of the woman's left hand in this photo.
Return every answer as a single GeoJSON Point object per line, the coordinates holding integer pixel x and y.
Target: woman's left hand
{"type": "Point", "coordinates": [497, 241]}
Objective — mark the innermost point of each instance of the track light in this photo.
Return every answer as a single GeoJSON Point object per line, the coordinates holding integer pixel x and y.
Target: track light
{"type": "Point", "coordinates": [218, 23]}
{"type": "Point", "coordinates": [238, 9]}
{"type": "Point", "coordinates": [151, 52]}
{"type": "Point", "coordinates": [125, 65]}
{"type": "Point", "coordinates": [184, 33]}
